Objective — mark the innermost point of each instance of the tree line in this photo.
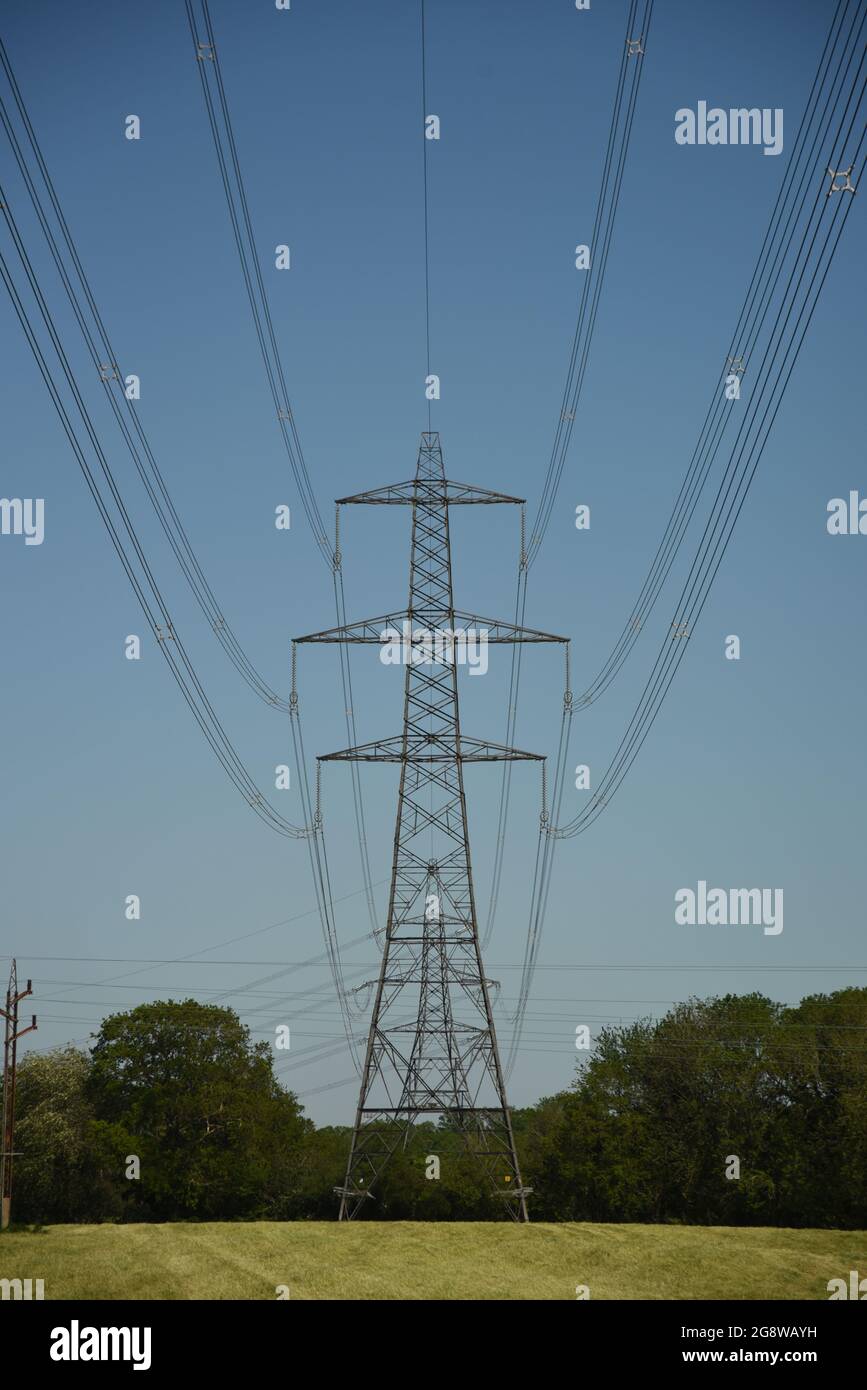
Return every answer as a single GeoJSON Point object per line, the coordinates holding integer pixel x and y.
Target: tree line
{"type": "Point", "coordinates": [727, 1111]}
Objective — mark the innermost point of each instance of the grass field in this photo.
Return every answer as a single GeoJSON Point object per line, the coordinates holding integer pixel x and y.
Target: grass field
{"type": "Point", "coordinates": [420, 1260]}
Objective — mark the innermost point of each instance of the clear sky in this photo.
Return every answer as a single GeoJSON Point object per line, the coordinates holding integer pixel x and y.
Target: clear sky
{"type": "Point", "coordinates": [753, 774]}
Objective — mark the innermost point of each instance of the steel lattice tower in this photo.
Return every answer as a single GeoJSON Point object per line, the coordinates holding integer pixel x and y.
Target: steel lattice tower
{"type": "Point", "coordinates": [432, 1047]}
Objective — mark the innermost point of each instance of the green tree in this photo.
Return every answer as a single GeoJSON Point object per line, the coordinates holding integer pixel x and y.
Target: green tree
{"type": "Point", "coordinates": [216, 1135]}
{"type": "Point", "coordinates": [322, 1169]}
{"type": "Point", "coordinates": [659, 1113]}
{"type": "Point", "coordinates": [64, 1171]}
{"type": "Point", "coordinates": [821, 1063]}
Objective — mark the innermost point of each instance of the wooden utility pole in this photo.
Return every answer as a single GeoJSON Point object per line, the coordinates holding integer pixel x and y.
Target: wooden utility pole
{"type": "Point", "coordinates": [10, 1062]}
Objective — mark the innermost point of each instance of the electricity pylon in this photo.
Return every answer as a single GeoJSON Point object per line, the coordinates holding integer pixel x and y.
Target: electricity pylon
{"type": "Point", "coordinates": [432, 1047]}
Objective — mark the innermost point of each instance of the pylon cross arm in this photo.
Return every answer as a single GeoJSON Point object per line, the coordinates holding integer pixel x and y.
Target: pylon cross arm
{"type": "Point", "coordinates": [451, 494]}
{"type": "Point", "coordinates": [370, 630]}
{"type": "Point", "coordinates": [418, 747]}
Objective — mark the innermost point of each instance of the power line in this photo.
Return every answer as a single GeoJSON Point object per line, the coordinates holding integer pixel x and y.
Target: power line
{"type": "Point", "coordinates": [106, 363]}
{"type": "Point", "coordinates": [609, 194]}
{"type": "Point", "coordinates": [424, 140]}
{"type": "Point", "coordinates": [782, 353]}
{"type": "Point", "coordinates": [166, 631]}
{"type": "Point", "coordinates": [689, 607]}
{"type": "Point", "coordinates": [607, 202]}
{"type": "Point", "coordinates": [156, 613]}
{"type": "Point", "coordinates": [752, 315]}
{"type": "Point", "coordinates": [493, 965]}
{"type": "Point", "coordinates": [607, 787]}
{"type": "Point", "coordinates": [208, 60]}
{"type": "Point", "coordinates": [222, 133]}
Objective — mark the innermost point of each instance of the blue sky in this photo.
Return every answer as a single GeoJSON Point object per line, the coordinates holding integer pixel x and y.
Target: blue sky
{"type": "Point", "coordinates": [753, 774]}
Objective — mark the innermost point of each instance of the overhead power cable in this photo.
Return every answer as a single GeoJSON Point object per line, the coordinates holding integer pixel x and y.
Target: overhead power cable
{"type": "Point", "coordinates": [107, 365]}
{"type": "Point", "coordinates": [155, 609]}
{"type": "Point", "coordinates": [557, 966]}
{"type": "Point", "coordinates": [781, 351]}
{"type": "Point", "coordinates": [424, 142]}
{"type": "Point", "coordinates": [607, 203]}
{"type": "Point", "coordinates": [226, 149]}
{"type": "Point", "coordinates": [606, 212]}
{"type": "Point", "coordinates": [810, 265]}
{"type": "Point", "coordinates": [239, 213]}
{"type": "Point", "coordinates": [102, 353]}
{"type": "Point", "coordinates": [139, 573]}
{"type": "Point", "coordinates": [750, 321]}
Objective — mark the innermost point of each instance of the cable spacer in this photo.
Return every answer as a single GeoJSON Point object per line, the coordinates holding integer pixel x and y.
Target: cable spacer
{"type": "Point", "coordinates": [847, 187]}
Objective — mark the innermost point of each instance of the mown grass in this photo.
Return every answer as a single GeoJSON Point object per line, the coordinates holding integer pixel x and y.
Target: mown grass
{"type": "Point", "coordinates": [422, 1260]}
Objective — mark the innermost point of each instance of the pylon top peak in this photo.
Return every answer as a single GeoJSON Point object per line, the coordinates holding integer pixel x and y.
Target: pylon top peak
{"type": "Point", "coordinates": [430, 458]}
